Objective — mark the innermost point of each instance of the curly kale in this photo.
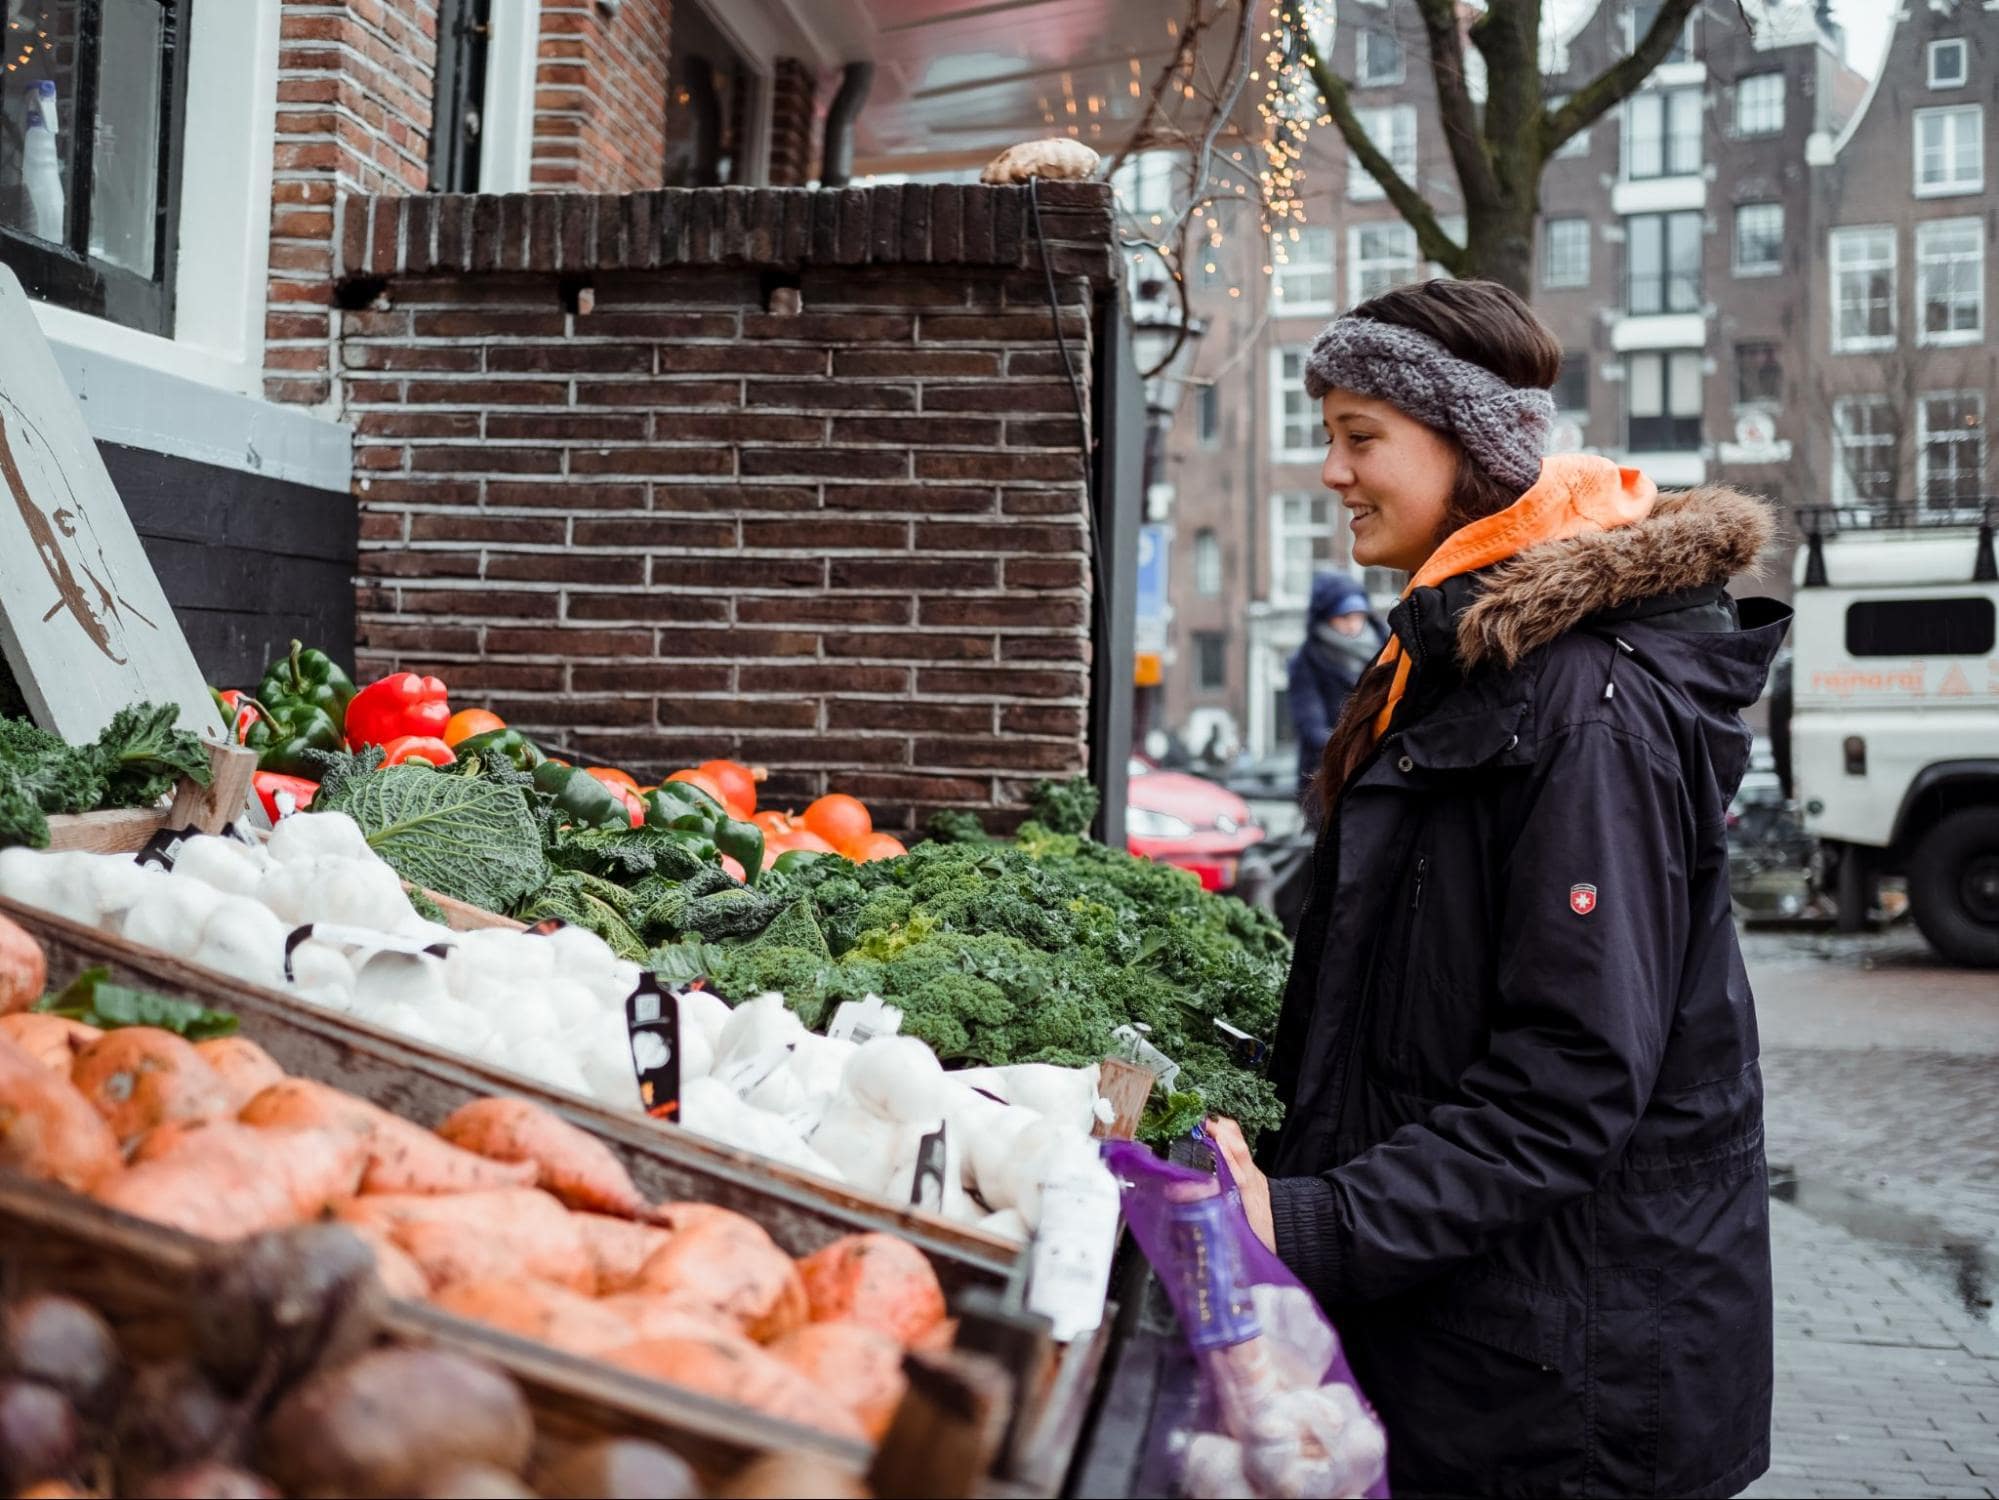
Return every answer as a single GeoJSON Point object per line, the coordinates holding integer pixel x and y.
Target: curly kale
{"type": "Point", "coordinates": [22, 820]}
{"type": "Point", "coordinates": [626, 855]}
{"type": "Point", "coordinates": [584, 900]}
{"type": "Point", "coordinates": [137, 759]}
{"type": "Point", "coordinates": [1065, 806]}
{"type": "Point", "coordinates": [142, 755]}
{"type": "Point", "coordinates": [955, 825]}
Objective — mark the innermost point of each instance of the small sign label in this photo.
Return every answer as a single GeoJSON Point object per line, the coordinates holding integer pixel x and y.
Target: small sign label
{"type": "Point", "coordinates": [1582, 899]}
{"type": "Point", "coordinates": [860, 1021]}
{"type": "Point", "coordinates": [1133, 1046]}
{"type": "Point", "coordinates": [926, 1190]}
{"type": "Point", "coordinates": [652, 1018]}
{"type": "Point", "coordinates": [1069, 1261]}
{"type": "Point", "coordinates": [162, 849]}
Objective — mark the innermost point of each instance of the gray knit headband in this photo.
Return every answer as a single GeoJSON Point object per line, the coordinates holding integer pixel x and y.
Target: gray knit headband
{"type": "Point", "coordinates": [1504, 428]}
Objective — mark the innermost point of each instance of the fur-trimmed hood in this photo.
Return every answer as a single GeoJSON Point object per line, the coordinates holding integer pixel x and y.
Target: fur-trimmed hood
{"type": "Point", "coordinates": [1692, 539]}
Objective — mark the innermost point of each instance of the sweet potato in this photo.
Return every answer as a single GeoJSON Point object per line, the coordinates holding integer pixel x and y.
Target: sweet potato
{"type": "Point", "coordinates": [570, 1163]}
{"type": "Point", "coordinates": [401, 1276]}
{"type": "Point", "coordinates": [732, 1266]}
{"type": "Point", "coordinates": [224, 1181]}
{"type": "Point", "coordinates": [859, 1366]}
{"type": "Point", "coordinates": [877, 1280]}
{"type": "Point", "coordinates": [652, 1315]}
{"type": "Point", "coordinates": [483, 1236]}
{"type": "Point", "coordinates": [53, 1041]}
{"type": "Point", "coordinates": [539, 1310]}
{"type": "Point", "coordinates": [618, 1248]}
{"type": "Point", "coordinates": [730, 1368]}
{"type": "Point", "coordinates": [402, 1158]}
{"type": "Point", "coordinates": [23, 970]}
{"type": "Point", "coordinates": [244, 1068]}
{"type": "Point", "coordinates": [48, 1129]}
{"type": "Point", "coordinates": [140, 1076]}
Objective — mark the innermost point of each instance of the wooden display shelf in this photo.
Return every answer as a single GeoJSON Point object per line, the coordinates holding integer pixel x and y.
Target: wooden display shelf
{"type": "Point", "coordinates": [204, 809]}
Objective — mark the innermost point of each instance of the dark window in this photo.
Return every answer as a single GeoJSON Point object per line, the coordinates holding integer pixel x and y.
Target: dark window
{"type": "Point", "coordinates": [1662, 395]}
{"type": "Point", "coordinates": [1759, 377]}
{"type": "Point", "coordinates": [709, 94]}
{"type": "Point", "coordinates": [1572, 385]}
{"type": "Point", "coordinates": [1643, 14]}
{"type": "Point", "coordinates": [1208, 415]}
{"type": "Point", "coordinates": [463, 29]}
{"type": "Point", "coordinates": [91, 109]}
{"type": "Point", "coordinates": [1662, 257]}
{"type": "Point", "coordinates": [1211, 661]}
{"type": "Point", "coordinates": [1920, 627]}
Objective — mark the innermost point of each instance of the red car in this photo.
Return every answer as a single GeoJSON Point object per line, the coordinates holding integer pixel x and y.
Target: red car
{"type": "Point", "coordinates": [1185, 821]}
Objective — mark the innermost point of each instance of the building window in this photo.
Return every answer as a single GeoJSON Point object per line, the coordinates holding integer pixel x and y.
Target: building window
{"type": "Point", "coordinates": [1379, 256]}
{"type": "Point", "coordinates": [712, 98]}
{"type": "Point", "coordinates": [1949, 63]}
{"type": "Point", "coordinates": [1211, 661]}
{"type": "Point", "coordinates": [1207, 563]}
{"type": "Point", "coordinates": [1663, 133]}
{"type": "Point", "coordinates": [1663, 401]}
{"type": "Point", "coordinates": [1950, 151]}
{"type": "Point", "coordinates": [1950, 281]}
{"type": "Point", "coordinates": [1759, 375]}
{"type": "Point", "coordinates": [1302, 533]}
{"type": "Point", "coordinates": [1565, 253]}
{"type": "Point", "coordinates": [1577, 144]}
{"type": "Point", "coordinates": [1144, 184]}
{"type": "Point", "coordinates": [1759, 239]}
{"type": "Point", "coordinates": [1663, 257]}
{"type": "Point", "coordinates": [1759, 104]}
{"type": "Point", "coordinates": [1207, 416]}
{"type": "Point", "coordinates": [1950, 448]}
{"type": "Point", "coordinates": [1304, 269]}
{"type": "Point", "coordinates": [1864, 440]}
{"type": "Point", "coordinates": [1643, 14]}
{"type": "Point", "coordinates": [1378, 56]}
{"type": "Point", "coordinates": [1863, 289]}
{"type": "Point", "coordinates": [1571, 390]}
{"type": "Point", "coordinates": [92, 110]}
{"type": "Point", "coordinates": [1393, 131]}
{"type": "Point", "coordinates": [1299, 431]}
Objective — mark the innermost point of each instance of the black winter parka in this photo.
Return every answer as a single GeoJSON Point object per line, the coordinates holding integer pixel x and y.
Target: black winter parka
{"type": "Point", "coordinates": [1523, 1161]}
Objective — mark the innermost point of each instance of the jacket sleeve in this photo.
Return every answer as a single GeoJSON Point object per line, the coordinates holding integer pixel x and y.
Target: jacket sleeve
{"type": "Point", "coordinates": [1311, 715]}
{"type": "Point", "coordinates": [1585, 1003]}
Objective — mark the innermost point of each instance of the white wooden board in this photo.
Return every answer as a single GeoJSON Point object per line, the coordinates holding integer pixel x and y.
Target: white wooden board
{"type": "Point", "coordinates": [84, 625]}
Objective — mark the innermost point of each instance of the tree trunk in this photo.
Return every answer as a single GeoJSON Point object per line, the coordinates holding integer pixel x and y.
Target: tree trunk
{"type": "Point", "coordinates": [1499, 246]}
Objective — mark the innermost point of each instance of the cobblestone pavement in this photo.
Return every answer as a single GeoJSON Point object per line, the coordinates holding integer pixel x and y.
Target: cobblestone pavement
{"type": "Point", "coordinates": [1882, 1070]}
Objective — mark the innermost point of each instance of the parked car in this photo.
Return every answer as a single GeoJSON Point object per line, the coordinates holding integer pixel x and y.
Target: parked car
{"type": "Point", "coordinates": [1184, 821]}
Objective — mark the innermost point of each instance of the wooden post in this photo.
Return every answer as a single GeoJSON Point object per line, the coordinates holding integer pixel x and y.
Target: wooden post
{"type": "Point", "coordinates": [1127, 1086]}
{"type": "Point", "coordinates": [206, 809]}
{"type": "Point", "coordinates": [947, 1431]}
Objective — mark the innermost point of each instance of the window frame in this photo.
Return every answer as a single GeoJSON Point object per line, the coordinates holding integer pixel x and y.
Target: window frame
{"type": "Point", "coordinates": [1936, 49]}
{"type": "Point", "coordinates": [1281, 388]}
{"type": "Point", "coordinates": [1744, 398]}
{"type": "Point", "coordinates": [68, 275]}
{"type": "Point", "coordinates": [1773, 267]}
{"type": "Point", "coordinates": [1364, 76]}
{"type": "Point", "coordinates": [1668, 275]}
{"type": "Point", "coordinates": [1928, 229]}
{"type": "Point", "coordinates": [1743, 131]}
{"type": "Point", "coordinates": [1846, 488]}
{"type": "Point", "coordinates": [1209, 572]}
{"type": "Point", "coordinates": [1667, 102]}
{"type": "Point", "coordinates": [1361, 186]}
{"type": "Point", "coordinates": [1202, 641]}
{"type": "Point", "coordinates": [1285, 306]}
{"type": "Point", "coordinates": [1949, 186]}
{"type": "Point", "coordinates": [1310, 532]}
{"type": "Point", "coordinates": [1975, 438]}
{"type": "Point", "coordinates": [1572, 360]}
{"type": "Point", "coordinates": [1579, 277]}
{"type": "Point", "coordinates": [1680, 432]}
{"type": "Point", "coordinates": [1207, 416]}
{"type": "Point", "coordinates": [1869, 342]}
{"type": "Point", "coordinates": [1357, 264]}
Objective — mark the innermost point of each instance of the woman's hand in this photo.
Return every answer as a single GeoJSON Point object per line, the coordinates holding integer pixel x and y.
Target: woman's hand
{"type": "Point", "coordinates": [1253, 1185]}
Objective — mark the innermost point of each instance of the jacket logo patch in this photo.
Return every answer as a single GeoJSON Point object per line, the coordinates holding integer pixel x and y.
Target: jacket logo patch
{"type": "Point", "coordinates": [1582, 899]}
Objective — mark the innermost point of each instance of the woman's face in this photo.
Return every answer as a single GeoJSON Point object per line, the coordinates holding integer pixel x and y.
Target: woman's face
{"type": "Point", "coordinates": [1393, 474]}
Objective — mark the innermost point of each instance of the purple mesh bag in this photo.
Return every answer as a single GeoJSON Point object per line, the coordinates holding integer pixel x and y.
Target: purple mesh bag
{"type": "Point", "coordinates": [1274, 1411]}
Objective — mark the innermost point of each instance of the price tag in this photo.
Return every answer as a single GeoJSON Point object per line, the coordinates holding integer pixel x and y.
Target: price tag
{"type": "Point", "coordinates": [864, 1020]}
{"type": "Point", "coordinates": [1247, 1051]}
{"type": "Point", "coordinates": [1134, 1047]}
{"type": "Point", "coordinates": [162, 849]}
{"type": "Point", "coordinates": [1069, 1260]}
{"type": "Point", "coordinates": [933, 1156]}
{"type": "Point", "coordinates": [364, 937]}
{"type": "Point", "coordinates": [652, 1018]}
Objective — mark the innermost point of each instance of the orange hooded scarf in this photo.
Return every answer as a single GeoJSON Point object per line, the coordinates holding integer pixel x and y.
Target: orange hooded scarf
{"type": "Point", "coordinates": [1576, 493]}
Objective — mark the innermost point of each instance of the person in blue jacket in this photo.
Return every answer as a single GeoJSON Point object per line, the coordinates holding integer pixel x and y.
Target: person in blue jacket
{"type": "Point", "coordinates": [1342, 638]}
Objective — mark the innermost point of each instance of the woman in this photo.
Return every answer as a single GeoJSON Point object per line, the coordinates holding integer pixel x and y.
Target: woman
{"type": "Point", "coordinates": [1523, 1160]}
{"type": "Point", "coordinates": [1342, 637]}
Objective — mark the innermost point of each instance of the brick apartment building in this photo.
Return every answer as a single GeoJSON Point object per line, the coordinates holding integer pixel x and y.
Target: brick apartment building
{"type": "Point", "coordinates": [505, 339]}
{"type": "Point", "coordinates": [1765, 271]}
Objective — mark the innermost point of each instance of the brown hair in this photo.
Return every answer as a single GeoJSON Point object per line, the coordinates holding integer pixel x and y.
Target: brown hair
{"type": "Point", "coordinates": [1479, 321]}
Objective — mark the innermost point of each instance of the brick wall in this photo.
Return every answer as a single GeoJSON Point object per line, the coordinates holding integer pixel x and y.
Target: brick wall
{"type": "Point", "coordinates": [849, 542]}
{"type": "Point", "coordinates": [794, 152]}
{"type": "Point", "coordinates": [600, 96]}
{"type": "Point", "coordinates": [355, 82]}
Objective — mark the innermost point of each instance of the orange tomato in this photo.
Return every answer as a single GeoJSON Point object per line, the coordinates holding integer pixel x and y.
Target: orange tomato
{"type": "Point", "coordinates": [613, 779]}
{"type": "Point", "coordinates": [470, 721]}
{"type": "Point", "coordinates": [840, 820]}
{"type": "Point", "coordinates": [703, 783]}
{"type": "Point", "coordinates": [876, 846]}
{"type": "Point", "coordinates": [774, 824]}
{"type": "Point", "coordinates": [738, 784]}
{"type": "Point", "coordinates": [809, 841]}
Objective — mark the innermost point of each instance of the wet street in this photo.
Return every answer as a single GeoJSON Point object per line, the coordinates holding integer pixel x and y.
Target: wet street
{"type": "Point", "coordinates": [1882, 1069]}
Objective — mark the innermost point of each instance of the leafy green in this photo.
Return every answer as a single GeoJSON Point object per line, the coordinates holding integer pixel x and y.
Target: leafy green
{"type": "Point", "coordinates": [1065, 806]}
{"type": "Point", "coordinates": [956, 825]}
{"type": "Point", "coordinates": [94, 1000]}
{"type": "Point", "coordinates": [424, 907]}
{"type": "Point", "coordinates": [628, 854]}
{"type": "Point", "coordinates": [787, 956]}
{"type": "Point", "coordinates": [135, 761]}
{"type": "Point", "coordinates": [142, 755]}
{"type": "Point", "coordinates": [466, 837]}
{"type": "Point", "coordinates": [584, 900]}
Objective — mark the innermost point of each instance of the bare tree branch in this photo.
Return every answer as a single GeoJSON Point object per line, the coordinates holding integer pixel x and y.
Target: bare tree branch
{"type": "Point", "coordinates": [1459, 115]}
{"type": "Point", "coordinates": [1621, 79]}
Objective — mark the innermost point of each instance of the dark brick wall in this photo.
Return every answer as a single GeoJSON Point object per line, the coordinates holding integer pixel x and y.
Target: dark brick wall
{"type": "Point", "coordinates": [615, 487]}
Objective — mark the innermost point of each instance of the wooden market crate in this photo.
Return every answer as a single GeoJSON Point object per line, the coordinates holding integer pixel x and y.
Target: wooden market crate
{"type": "Point", "coordinates": [203, 809]}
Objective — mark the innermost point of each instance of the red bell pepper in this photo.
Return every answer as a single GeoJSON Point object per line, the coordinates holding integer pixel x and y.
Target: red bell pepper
{"type": "Point", "coordinates": [404, 704]}
{"type": "Point", "coordinates": [283, 795]}
{"type": "Point", "coordinates": [417, 747]}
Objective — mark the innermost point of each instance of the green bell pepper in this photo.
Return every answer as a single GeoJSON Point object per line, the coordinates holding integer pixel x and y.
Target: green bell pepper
{"type": "Point", "coordinates": [799, 859]}
{"type": "Point", "coordinates": [311, 676]}
{"type": "Point", "coordinates": [284, 732]}
{"type": "Point", "coordinates": [586, 801]}
{"type": "Point", "coordinates": [502, 744]}
{"type": "Point", "coordinates": [744, 843]}
{"type": "Point", "coordinates": [680, 808]}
